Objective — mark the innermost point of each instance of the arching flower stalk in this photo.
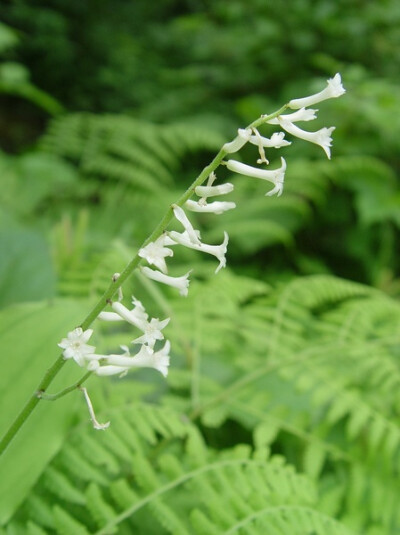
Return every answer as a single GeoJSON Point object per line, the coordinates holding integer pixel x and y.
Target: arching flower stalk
{"type": "Point", "coordinates": [157, 248]}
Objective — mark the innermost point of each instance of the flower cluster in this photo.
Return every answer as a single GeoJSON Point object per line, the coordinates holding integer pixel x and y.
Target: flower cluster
{"type": "Point", "coordinates": [75, 345]}
{"type": "Point", "coordinates": [155, 252]}
{"type": "Point", "coordinates": [287, 122]}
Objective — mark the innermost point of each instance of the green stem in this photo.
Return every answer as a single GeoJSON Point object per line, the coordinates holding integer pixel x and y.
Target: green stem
{"type": "Point", "coordinates": [108, 294]}
{"type": "Point", "coordinates": [53, 397]}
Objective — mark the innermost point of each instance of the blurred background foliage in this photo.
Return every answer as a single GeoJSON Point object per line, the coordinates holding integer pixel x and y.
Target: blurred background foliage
{"type": "Point", "coordinates": [108, 110]}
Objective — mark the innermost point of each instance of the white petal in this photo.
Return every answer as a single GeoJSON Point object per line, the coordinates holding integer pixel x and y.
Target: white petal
{"type": "Point", "coordinates": [155, 253]}
{"type": "Point", "coordinates": [180, 215]}
{"type": "Point", "coordinates": [265, 174]}
{"type": "Point", "coordinates": [303, 114]}
{"type": "Point", "coordinates": [240, 140]}
{"type": "Point", "coordinates": [334, 89]}
{"type": "Point", "coordinates": [128, 315]}
{"type": "Point", "coordinates": [181, 283]}
{"type": "Point", "coordinates": [219, 251]}
{"type": "Point", "coordinates": [216, 207]}
{"type": "Point", "coordinates": [321, 137]}
{"type": "Point", "coordinates": [213, 191]}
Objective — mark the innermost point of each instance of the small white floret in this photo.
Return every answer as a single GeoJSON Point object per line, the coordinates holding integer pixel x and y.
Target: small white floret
{"type": "Point", "coordinates": [75, 346]}
{"type": "Point", "coordinates": [181, 283]}
{"type": "Point", "coordinates": [216, 207]}
{"type": "Point", "coordinates": [321, 137]}
{"type": "Point", "coordinates": [334, 89]}
{"type": "Point", "coordinates": [156, 252]}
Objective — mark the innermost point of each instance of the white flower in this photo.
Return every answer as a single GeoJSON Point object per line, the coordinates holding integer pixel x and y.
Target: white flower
{"type": "Point", "coordinates": [155, 253]}
{"type": "Point", "coordinates": [95, 423]}
{"type": "Point", "coordinates": [138, 312]}
{"type": "Point", "coordinates": [276, 141]}
{"type": "Point", "coordinates": [135, 316]}
{"type": "Point", "coordinates": [334, 89]}
{"type": "Point", "coordinates": [213, 191]}
{"type": "Point", "coordinates": [75, 346]}
{"type": "Point", "coordinates": [194, 235]}
{"type": "Point", "coordinates": [240, 140]}
{"type": "Point", "coordinates": [146, 358]}
{"type": "Point", "coordinates": [182, 283]}
{"type": "Point", "coordinates": [276, 176]}
{"type": "Point", "coordinates": [152, 332]}
{"type": "Point", "coordinates": [216, 207]}
{"type": "Point", "coordinates": [219, 251]}
{"type": "Point", "coordinates": [303, 114]}
{"type": "Point", "coordinates": [321, 137]}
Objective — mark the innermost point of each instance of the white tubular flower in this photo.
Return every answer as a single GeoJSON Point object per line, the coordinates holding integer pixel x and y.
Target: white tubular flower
{"type": "Point", "coordinates": [109, 316]}
{"type": "Point", "coordinates": [181, 283]}
{"type": "Point", "coordinates": [75, 346]}
{"type": "Point", "coordinates": [240, 140]}
{"type": "Point", "coordinates": [134, 317]}
{"type": "Point", "coordinates": [213, 191]}
{"type": "Point", "coordinates": [180, 215]}
{"type": "Point", "coordinates": [159, 360]}
{"type": "Point", "coordinates": [276, 141]}
{"type": "Point", "coordinates": [95, 423]}
{"type": "Point", "coordinates": [138, 312]}
{"type": "Point", "coordinates": [334, 89]}
{"type": "Point", "coordinates": [303, 114]}
{"type": "Point", "coordinates": [275, 176]}
{"type": "Point", "coordinates": [152, 332]}
{"type": "Point", "coordinates": [216, 207]}
{"type": "Point", "coordinates": [219, 251]}
{"type": "Point", "coordinates": [103, 371]}
{"type": "Point", "coordinates": [321, 137]}
{"type": "Point", "coordinates": [155, 253]}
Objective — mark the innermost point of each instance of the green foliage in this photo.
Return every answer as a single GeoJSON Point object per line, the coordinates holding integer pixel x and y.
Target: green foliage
{"type": "Point", "coordinates": [42, 325]}
{"type": "Point", "coordinates": [309, 370]}
{"type": "Point", "coordinates": [280, 414]}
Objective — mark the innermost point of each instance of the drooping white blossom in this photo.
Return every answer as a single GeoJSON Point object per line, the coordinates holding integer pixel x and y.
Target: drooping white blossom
{"type": "Point", "coordinates": [138, 312]}
{"type": "Point", "coordinates": [181, 283]}
{"type": "Point", "coordinates": [152, 331]}
{"type": "Point", "coordinates": [93, 418]}
{"type": "Point", "coordinates": [321, 137]}
{"type": "Point", "coordinates": [213, 191]}
{"type": "Point", "coordinates": [159, 360]}
{"type": "Point", "coordinates": [194, 235]}
{"type": "Point", "coordinates": [303, 114]}
{"type": "Point", "coordinates": [334, 89]}
{"type": "Point", "coordinates": [75, 346]}
{"type": "Point", "coordinates": [216, 207]}
{"type": "Point", "coordinates": [155, 252]}
{"type": "Point", "coordinates": [135, 316]}
{"type": "Point", "coordinates": [276, 141]}
{"type": "Point", "coordinates": [240, 140]}
{"type": "Point", "coordinates": [219, 251]}
{"type": "Point", "coordinates": [276, 176]}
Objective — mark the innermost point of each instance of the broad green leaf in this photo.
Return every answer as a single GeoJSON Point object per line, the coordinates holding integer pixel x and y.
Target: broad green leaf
{"type": "Point", "coordinates": [26, 272]}
{"type": "Point", "coordinates": [29, 334]}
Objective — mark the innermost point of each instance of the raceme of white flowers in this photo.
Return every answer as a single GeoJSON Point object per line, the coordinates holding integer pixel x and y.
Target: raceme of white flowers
{"type": "Point", "coordinates": [155, 252]}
